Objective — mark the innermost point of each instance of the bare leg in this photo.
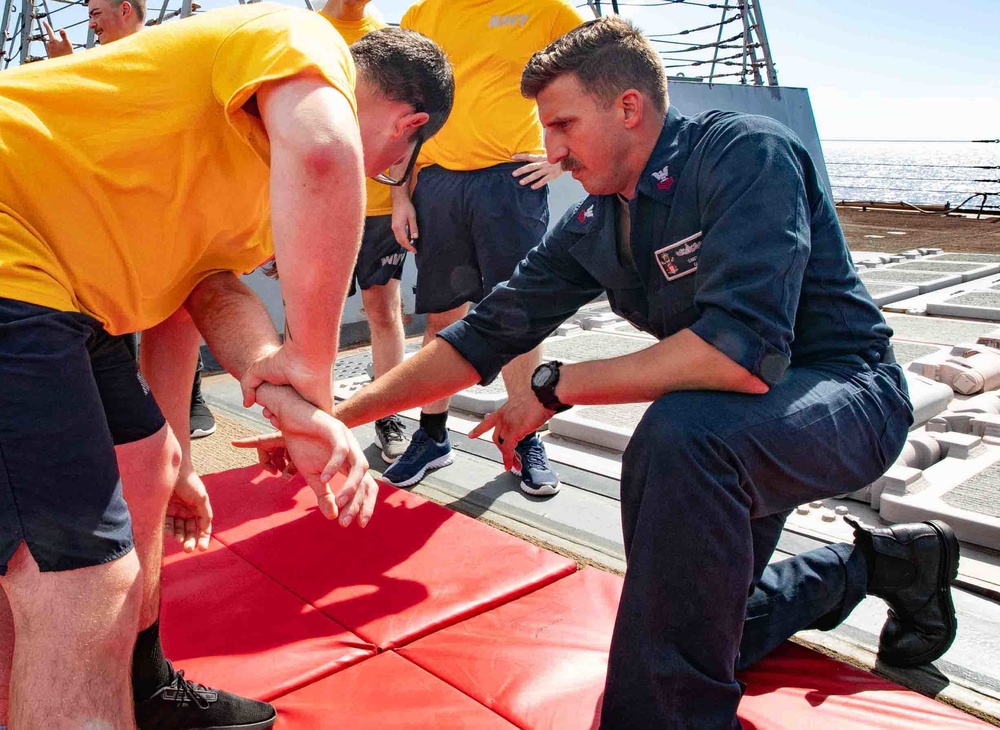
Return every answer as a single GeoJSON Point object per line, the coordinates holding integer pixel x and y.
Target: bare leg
{"type": "Point", "coordinates": [75, 631]}
{"type": "Point", "coordinates": [435, 323]}
{"type": "Point", "coordinates": [385, 318]}
{"type": "Point", "coordinates": [6, 653]}
{"type": "Point", "coordinates": [149, 469]}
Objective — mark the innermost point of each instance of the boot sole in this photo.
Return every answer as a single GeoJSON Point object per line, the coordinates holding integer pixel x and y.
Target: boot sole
{"type": "Point", "coordinates": [947, 572]}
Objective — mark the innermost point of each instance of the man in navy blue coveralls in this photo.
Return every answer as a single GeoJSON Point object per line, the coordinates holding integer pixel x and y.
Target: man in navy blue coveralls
{"type": "Point", "coordinates": [772, 385]}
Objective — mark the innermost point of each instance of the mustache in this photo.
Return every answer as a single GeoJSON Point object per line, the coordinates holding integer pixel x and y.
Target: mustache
{"type": "Point", "coordinates": [570, 163]}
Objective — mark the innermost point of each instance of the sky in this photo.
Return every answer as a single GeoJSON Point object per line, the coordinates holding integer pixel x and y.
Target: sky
{"type": "Point", "coordinates": [875, 69]}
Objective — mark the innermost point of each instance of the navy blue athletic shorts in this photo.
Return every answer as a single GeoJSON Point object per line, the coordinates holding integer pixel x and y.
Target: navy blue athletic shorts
{"type": "Point", "coordinates": [69, 392]}
{"type": "Point", "coordinates": [381, 258]}
{"type": "Point", "coordinates": [475, 227]}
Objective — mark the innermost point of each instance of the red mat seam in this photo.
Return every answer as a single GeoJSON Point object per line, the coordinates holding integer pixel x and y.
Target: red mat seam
{"type": "Point", "coordinates": [306, 682]}
{"type": "Point", "coordinates": [478, 611]}
{"type": "Point", "coordinates": [459, 689]}
{"type": "Point", "coordinates": [500, 601]}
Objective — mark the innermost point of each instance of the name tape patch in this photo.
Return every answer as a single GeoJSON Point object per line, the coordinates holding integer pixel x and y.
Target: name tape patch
{"type": "Point", "coordinates": [681, 258]}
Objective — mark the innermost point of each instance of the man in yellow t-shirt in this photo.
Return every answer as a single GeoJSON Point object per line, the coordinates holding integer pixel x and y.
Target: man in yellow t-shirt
{"type": "Point", "coordinates": [176, 339]}
{"type": "Point", "coordinates": [127, 192]}
{"type": "Point", "coordinates": [381, 258]}
{"type": "Point", "coordinates": [478, 209]}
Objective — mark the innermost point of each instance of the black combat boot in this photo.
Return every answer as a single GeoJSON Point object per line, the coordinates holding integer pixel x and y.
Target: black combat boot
{"type": "Point", "coordinates": [911, 568]}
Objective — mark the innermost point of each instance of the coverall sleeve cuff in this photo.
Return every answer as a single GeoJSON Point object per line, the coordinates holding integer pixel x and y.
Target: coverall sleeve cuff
{"type": "Point", "coordinates": [741, 344]}
{"type": "Point", "coordinates": [475, 348]}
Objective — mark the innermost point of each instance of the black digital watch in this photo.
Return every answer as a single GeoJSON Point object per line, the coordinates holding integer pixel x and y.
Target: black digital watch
{"type": "Point", "coordinates": [543, 382]}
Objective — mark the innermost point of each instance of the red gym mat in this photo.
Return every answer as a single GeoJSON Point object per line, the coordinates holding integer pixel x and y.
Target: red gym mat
{"type": "Point", "coordinates": [229, 626]}
{"type": "Point", "coordinates": [417, 567]}
{"type": "Point", "coordinates": [384, 693]}
{"type": "Point", "coordinates": [796, 688]}
{"type": "Point", "coordinates": [541, 662]}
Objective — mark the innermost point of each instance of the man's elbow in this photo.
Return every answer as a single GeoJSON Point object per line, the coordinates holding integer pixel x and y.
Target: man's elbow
{"type": "Point", "coordinates": [324, 160]}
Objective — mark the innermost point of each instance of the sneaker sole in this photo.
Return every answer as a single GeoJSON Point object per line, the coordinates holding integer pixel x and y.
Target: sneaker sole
{"type": "Point", "coordinates": [200, 433]}
{"type": "Point", "coordinates": [262, 725]}
{"type": "Point", "coordinates": [947, 572]}
{"type": "Point", "coordinates": [546, 490]}
{"type": "Point", "coordinates": [436, 464]}
{"type": "Point", "coordinates": [252, 726]}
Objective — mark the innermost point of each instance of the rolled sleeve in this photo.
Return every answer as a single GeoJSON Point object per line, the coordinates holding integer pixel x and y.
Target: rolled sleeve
{"type": "Point", "coordinates": [755, 245]}
{"type": "Point", "coordinates": [546, 288]}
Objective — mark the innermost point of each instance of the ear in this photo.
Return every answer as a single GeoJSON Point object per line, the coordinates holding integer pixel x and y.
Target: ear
{"type": "Point", "coordinates": [409, 123]}
{"type": "Point", "coordinates": [632, 105]}
{"type": "Point", "coordinates": [127, 9]}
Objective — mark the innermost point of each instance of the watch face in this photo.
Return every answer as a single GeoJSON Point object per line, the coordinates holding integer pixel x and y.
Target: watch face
{"type": "Point", "coordinates": [541, 376]}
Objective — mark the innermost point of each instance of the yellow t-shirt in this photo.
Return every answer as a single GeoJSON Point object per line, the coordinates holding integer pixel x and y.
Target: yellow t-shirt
{"type": "Point", "coordinates": [379, 199]}
{"type": "Point", "coordinates": [488, 43]}
{"type": "Point", "coordinates": [131, 172]}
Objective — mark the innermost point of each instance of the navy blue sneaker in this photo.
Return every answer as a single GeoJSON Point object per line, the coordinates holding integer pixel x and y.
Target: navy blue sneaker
{"type": "Point", "coordinates": [423, 454]}
{"type": "Point", "coordinates": [532, 465]}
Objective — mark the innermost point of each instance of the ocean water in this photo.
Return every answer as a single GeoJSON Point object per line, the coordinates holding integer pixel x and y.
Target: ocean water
{"type": "Point", "coordinates": [914, 172]}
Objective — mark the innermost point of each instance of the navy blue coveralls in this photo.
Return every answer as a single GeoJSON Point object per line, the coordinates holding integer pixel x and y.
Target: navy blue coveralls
{"type": "Point", "coordinates": [733, 237]}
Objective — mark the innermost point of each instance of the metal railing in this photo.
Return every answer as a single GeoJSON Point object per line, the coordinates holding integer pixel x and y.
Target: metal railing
{"type": "Point", "coordinates": [926, 186]}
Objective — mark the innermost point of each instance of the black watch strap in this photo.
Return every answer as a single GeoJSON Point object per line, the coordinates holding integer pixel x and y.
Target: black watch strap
{"type": "Point", "coordinates": [546, 391]}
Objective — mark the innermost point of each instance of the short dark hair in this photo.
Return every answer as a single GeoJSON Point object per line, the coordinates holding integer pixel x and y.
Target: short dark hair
{"type": "Point", "coordinates": [408, 67]}
{"type": "Point", "coordinates": [608, 55]}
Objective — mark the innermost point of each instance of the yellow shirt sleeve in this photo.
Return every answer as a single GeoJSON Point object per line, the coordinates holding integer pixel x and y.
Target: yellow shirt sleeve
{"type": "Point", "coordinates": [279, 46]}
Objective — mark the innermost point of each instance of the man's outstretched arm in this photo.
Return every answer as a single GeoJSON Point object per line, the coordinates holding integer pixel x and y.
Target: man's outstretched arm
{"type": "Point", "coordinates": [436, 372]}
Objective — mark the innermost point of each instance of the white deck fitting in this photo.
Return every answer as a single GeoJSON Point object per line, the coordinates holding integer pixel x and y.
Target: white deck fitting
{"type": "Point", "coordinates": [925, 281]}
{"type": "Point", "coordinates": [929, 497]}
{"type": "Point", "coordinates": [627, 328]}
{"type": "Point", "coordinates": [877, 257]}
{"type": "Point", "coordinates": [979, 304]}
{"type": "Point", "coordinates": [928, 397]}
{"type": "Point", "coordinates": [968, 270]}
{"type": "Point", "coordinates": [481, 399]}
{"type": "Point", "coordinates": [824, 520]}
{"type": "Point", "coordinates": [598, 321]}
{"type": "Point", "coordinates": [884, 293]}
{"type": "Point", "coordinates": [609, 427]}
{"type": "Point", "coordinates": [968, 369]}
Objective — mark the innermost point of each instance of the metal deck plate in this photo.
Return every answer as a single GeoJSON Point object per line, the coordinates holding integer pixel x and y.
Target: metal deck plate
{"type": "Point", "coordinates": [591, 346]}
{"type": "Point", "coordinates": [885, 293]}
{"type": "Point", "coordinates": [936, 329]}
{"type": "Point", "coordinates": [979, 494]}
{"type": "Point", "coordinates": [988, 258]}
{"type": "Point", "coordinates": [899, 276]}
{"type": "Point", "coordinates": [909, 351]}
{"type": "Point", "coordinates": [968, 269]}
{"type": "Point", "coordinates": [986, 298]}
{"type": "Point", "coordinates": [351, 366]}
